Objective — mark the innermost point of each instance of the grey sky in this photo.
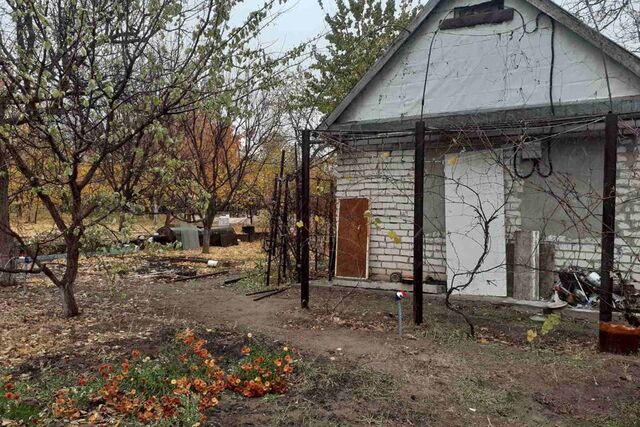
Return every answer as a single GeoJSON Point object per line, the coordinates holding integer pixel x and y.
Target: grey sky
{"type": "Point", "coordinates": [301, 20]}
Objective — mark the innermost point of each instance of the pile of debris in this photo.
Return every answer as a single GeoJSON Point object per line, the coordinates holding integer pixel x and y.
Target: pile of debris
{"type": "Point", "coordinates": [580, 287]}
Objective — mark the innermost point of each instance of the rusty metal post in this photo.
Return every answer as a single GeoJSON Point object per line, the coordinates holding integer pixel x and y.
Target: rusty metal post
{"type": "Point", "coordinates": [608, 216]}
{"type": "Point", "coordinates": [284, 238]}
{"type": "Point", "coordinates": [275, 215]}
{"type": "Point", "coordinates": [418, 222]}
{"type": "Point", "coordinates": [316, 236]}
{"type": "Point", "coordinates": [272, 233]}
{"type": "Point", "coordinates": [332, 239]}
{"type": "Point", "coordinates": [303, 231]}
{"type": "Point", "coordinates": [298, 247]}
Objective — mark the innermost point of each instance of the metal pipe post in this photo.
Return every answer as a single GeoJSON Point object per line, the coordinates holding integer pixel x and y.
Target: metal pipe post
{"type": "Point", "coordinates": [418, 222]}
{"type": "Point", "coordinates": [608, 216]}
{"type": "Point", "coordinates": [304, 217]}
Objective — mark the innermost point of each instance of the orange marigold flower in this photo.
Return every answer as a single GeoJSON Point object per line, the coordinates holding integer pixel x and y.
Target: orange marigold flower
{"type": "Point", "coordinates": [199, 384]}
{"type": "Point", "coordinates": [82, 381]}
{"type": "Point", "coordinates": [246, 350]}
{"type": "Point", "coordinates": [288, 358]}
{"type": "Point", "coordinates": [287, 369]}
{"type": "Point", "coordinates": [105, 369]}
{"type": "Point", "coordinates": [278, 362]}
{"type": "Point", "coordinates": [145, 416]}
{"type": "Point", "coordinates": [135, 354]}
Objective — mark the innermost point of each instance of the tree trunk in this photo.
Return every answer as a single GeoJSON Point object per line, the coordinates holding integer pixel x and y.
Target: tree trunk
{"type": "Point", "coordinates": [155, 211]}
{"type": "Point", "coordinates": [35, 216]}
{"type": "Point", "coordinates": [207, 222]}
{"type": "Point", "coordinates": [69, 304]}
{"type": "Point", "coordinates": [121, 221]}
{"type": "Point", "coordinates": [7, 246]}
{"type": "Point", "coordinates": [206, 237]}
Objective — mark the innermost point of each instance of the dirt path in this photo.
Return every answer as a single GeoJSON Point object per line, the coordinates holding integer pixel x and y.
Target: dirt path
{"type": "Point", "coordinates": [355, 370]}
{"type": "Point", "coordinates": [456, 380]}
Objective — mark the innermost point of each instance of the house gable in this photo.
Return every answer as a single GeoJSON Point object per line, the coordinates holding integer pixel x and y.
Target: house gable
{"type": "Point", "coordinates": [504, 65]}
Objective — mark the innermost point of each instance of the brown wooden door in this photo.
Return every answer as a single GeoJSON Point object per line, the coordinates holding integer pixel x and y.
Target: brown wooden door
{"type": "Point", "coordinates": [353, 239]}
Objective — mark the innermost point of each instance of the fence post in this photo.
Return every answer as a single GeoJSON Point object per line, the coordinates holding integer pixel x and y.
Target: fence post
{"type": "Point", "coordinates": [304, 218]}
{"type": "Point", "coordinates": [418, 222]}
{"type": "Point", "coordinates": [332, 218]}
{"type": "Point", "coordinates": [608, 216]}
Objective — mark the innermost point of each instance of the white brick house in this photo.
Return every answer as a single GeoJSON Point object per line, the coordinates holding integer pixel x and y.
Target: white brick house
{"type": "Point", "coordinates": [489, 79]}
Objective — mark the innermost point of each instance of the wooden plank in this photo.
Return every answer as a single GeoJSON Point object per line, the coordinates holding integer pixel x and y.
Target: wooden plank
{"type": "Point", "coordinates": [494, 17]}
{"type": "Point", "coordinates": [352, 253]}
{"type": "Point", "coordinates": [201, 276]}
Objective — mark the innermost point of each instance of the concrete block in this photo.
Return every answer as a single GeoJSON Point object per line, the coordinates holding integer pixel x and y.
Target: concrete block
{"type": "Point", "coordinates": [547, 269]}
{"type": "Point", "coordinates": [526, 262]}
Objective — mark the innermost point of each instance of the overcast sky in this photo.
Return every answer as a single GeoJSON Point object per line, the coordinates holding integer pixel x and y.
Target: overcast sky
{"type": "Point", "coordinates": [301, 20]}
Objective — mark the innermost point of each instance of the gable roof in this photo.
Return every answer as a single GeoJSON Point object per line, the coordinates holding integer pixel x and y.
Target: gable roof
{"type": "Point", "coordinates": [616, 52]}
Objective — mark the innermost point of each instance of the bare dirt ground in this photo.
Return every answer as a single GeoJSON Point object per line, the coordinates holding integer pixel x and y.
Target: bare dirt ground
{"type": "Point", "coordinates": [355, 370]}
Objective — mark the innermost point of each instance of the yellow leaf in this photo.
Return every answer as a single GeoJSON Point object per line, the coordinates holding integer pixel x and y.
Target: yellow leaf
{"type": "Point", "coordinates": [394, 237]}
{"type": "Point", "coordinates": [316, 218]}
{"type": "Point", "coordinates": [531, 335]}
{"type": "Point", "coordinates": [300, 224]}
{"type": "Point", "coordinates": [367, 214]}
{"type": "Point", "coordinates": [453, 160]}
{"type": "Point", "coordinates": [385, 155]}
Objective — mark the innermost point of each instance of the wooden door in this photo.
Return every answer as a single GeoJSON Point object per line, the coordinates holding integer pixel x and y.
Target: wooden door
{"type": "Point", "coordinates": [352, 252]}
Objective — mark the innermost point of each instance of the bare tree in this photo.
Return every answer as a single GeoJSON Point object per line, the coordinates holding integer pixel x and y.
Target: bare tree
{"type": "Point", "coordinates": [7, 244]}
{"type": "Point", "coordinates": [618, 19]}
{"type": "Point", "coordinates": [222, 155]}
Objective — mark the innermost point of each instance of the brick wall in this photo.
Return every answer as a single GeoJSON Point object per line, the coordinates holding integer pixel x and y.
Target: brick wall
{"type": "Point", "coordinates": [383, 173]}
{"type": "Point", "coordinates": [628, 208]}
